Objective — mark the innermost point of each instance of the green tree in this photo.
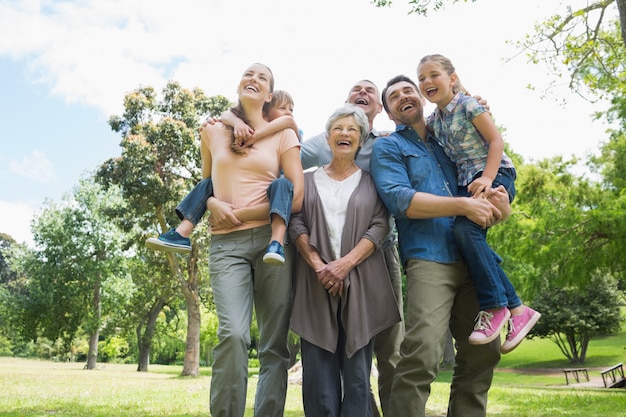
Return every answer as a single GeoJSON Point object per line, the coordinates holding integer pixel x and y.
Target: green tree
{"type": "Point", "coordinates": [159, 164]}
{"type": "Point", "coordinates": [13, 290]}
{"type": "Point", "coordinates": [10, 283]}
{"type": "Point", "coordinates": [611, 222]}
{"type": "Point", "coordinates": [588, 46]}
{"type": "Point", "coordinates": [571, 316]}
{"type": "Point", "coordinates": [566, 225]}
{"type": "Point", "coordinates": [6, 273]}
{"type": "Point", "coordinates": [537, 239]}
{"type": "Point", "coordinates": [209, 334]}
{"type": "Point", "coordinates": [154, 291]}
{"type": "Point", "coordinates": [566, 229]}
{"type": "Point", "coordinates": [77, 257]}
{"type": "Point", "coordinates": [585, 47]}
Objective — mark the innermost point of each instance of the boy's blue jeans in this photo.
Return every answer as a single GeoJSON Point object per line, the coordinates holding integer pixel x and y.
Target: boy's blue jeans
{"type": "Point", "coordinates": [193, 206]}
{"type": "Point", "coordinates": [493, 287]}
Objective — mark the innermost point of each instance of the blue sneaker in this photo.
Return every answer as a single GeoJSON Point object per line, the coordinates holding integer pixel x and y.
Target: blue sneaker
{"type": "Point", "coordinates": [274, 255]}
{"type": "Point", "coordinates": [170, 241]}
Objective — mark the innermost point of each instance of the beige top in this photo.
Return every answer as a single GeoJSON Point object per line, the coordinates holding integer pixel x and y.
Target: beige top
{"type": "Point", "coordinates": [243, 180]}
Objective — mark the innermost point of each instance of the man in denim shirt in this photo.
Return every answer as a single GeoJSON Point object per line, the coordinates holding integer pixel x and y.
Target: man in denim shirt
{"type": "Point", "coordinates": [417, 182]}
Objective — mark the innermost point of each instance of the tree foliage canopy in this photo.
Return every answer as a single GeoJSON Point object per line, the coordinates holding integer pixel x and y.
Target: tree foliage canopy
{"type": "Point", "coordinates": [585, 47]}
{"type": "Point", "coordinates": [159, 164]}
{"type": "Point", "coordinates": [160, 151]}
{"type": "Point", "coordinates": [77, 250]}
{"type": "Point", "coordinates": [571, 316]}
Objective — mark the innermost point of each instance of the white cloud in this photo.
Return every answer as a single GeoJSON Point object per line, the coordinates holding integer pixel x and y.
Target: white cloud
{"type": "Point", "coordinates": [15, 218]}
{"type": "Point", "coordinates": [94, 52]}
{"type": "Point", "coordinates": [35, 166]}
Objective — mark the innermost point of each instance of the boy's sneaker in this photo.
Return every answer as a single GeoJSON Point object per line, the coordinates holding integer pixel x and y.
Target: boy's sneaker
{"type": "Point", "coordinates": [170, 241]}
{"type": "Point", "coordinates": [488, 326]}
{"type": "Point", "coordinates": [519, 326]}
{"type": "Point", "coordinates": [274, 255]}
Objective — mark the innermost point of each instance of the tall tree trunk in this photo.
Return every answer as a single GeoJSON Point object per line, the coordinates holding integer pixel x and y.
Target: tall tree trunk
{"type": "Point", "coordinates": [144, 341]}
{"type": "Point", "coordinates": [94, 334]}
{"type": "Point", "coordinates": [621, 8]}
{"type": "Point", "coordinates": [191, 361]}
{"type": "Point", "coordinates": [189, 288]}
{"type": "Point", "coordinates": [584, 344]}
{"type": "Point", "coordinates": [571, 340]}
{"type": "Point", "coordinates": [92, 356]}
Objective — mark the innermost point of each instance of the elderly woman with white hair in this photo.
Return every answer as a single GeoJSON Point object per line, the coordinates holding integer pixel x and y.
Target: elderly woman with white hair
{"type": "Point", "coordinates": [342, 291]}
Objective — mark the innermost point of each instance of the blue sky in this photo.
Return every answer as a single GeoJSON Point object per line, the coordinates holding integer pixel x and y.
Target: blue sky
{"type": "Point", "coordinates": [47, 145]}
{"type": "Point", "coordinates": [66, 65]}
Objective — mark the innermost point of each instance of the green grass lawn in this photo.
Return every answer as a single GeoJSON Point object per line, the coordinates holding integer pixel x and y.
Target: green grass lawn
{"type": "Point", "coordinates": [528, 383]}
{"type": "Point", "coordinates": [603, 352]}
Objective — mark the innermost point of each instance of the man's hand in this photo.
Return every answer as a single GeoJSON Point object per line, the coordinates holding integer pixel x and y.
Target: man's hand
{"type": "Point", "coordinates": [481, 211]}
{"type": "Point", "coordinates": [483, 103]}
{"type": "Point", "coordinates": [499, 197]}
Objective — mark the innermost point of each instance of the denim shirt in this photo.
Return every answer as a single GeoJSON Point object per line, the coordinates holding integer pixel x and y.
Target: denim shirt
{"type": "Point", "coordinates": [401, 165]}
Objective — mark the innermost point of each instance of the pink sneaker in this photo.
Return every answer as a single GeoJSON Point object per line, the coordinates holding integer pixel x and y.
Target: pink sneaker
{"type": "Point", "coordinates": [488, 326]}
{"type": "Point", "coordinates": [519, 326]}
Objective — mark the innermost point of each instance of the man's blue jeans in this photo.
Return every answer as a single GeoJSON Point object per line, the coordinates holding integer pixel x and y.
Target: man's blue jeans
{"type": "Point", "coordinates": [493, 287]}
{"type": "Point", "coordinates": [193, 206]}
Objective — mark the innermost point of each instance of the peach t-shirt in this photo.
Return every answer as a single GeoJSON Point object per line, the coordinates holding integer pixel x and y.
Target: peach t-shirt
{"type": "Point", "coordinates": [243, 180]}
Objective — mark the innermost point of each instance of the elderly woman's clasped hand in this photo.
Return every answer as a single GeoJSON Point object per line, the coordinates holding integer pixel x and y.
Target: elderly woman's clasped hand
{"type": "Point", "coordinates": [332, 274]}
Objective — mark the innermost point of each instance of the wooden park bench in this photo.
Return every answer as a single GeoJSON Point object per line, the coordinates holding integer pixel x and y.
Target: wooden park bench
{"type": "Point", "coordinates": [575, 372]}
{"type": "Point", "coordinates": [613, 377]}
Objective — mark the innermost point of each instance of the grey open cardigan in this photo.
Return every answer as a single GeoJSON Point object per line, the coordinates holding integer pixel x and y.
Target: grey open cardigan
{"type": "Point", "coordinates": [368, 304]}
